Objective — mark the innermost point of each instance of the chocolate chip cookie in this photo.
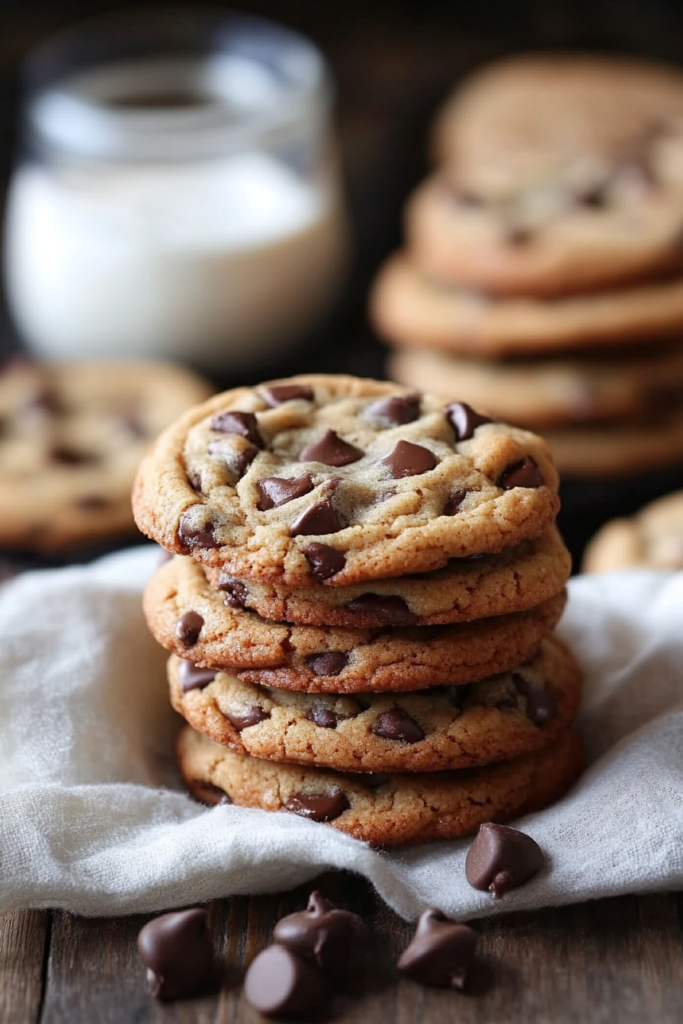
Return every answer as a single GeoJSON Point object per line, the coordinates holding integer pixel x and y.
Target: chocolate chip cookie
{"type": "Point", "coordinates": [652, 539]}
{"type": "Point", "coordinates": [72, 436]}
{"type": "Point", "coordinates": [338, 480]}
{"type": "Point", "coordinates": [187, 617]}
{"type": "Point", "coordinates": [504, 716]}
{"type": "Point", "coordinates": [383, 809]}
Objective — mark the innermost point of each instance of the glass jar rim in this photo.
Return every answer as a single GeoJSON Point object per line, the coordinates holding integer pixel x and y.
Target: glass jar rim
{"type": "Point", "coordinates": [283, 73]}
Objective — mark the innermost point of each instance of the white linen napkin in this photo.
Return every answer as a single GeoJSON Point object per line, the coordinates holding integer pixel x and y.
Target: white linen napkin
{"type": "Point", "coordinates": [93, 819]}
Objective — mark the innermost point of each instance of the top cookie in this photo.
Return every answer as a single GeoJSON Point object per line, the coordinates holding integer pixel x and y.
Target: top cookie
{"type": "Point", "coordinates": [549, 189]}
{"type": "Point", "coordinates": [337, 480]}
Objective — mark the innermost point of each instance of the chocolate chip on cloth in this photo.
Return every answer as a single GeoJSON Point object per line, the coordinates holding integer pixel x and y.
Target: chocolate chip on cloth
{"type": "Point", "coordinates": [177, 950]}
{"type": "Point", "coordinates": [404, 807]}
{"type": "Point", "coordinates": [441, 951]}
{"type": "Point", "coordinates": [502, 858]}
{"type": "Point", "coordinates": [275, 654]}
{"type": "Point", "coordinates": [351, 439]}
{"type": "Point", "coordinates": [427, 730]}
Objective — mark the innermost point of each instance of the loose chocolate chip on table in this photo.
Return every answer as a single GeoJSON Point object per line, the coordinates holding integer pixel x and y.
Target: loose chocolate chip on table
{"type": "Point", "coordinates": [318, 806]}
{"type": "Point", "coordinates": [204, 537]}
{"type": "Point", "coordinates": [324, 717]}
{"type": "Point", "coordinates": [394, 410]}
{"type": "Point", "coordinates": [194, 677]}
{"type": "Point", "coordinates": [441, 951]}
{"type": "Point", "coordinates": [243, 423]}
{"type": "Point", "coordinates": [177, 950]}
{"type": "Point", "coordinates": [396, 724]}
{"type": "Point", "coordinates": [188, 627]}
{"type": "Point", "coordinates": [279, 393]}
{"type": "Point", "coordinates": [275, 490]}
{"type": "Point", "coordinates": [328, 663]}
{"type": "Point", "coordinates": [324, 561]}
{"type": "Point", "coordinates": [236, 593]}
{"type": "Point", "coordinates": [454, 501]}
{"type": "Point", "coordinates": [464, 420]}
{"type": "Point", "coordinates": [541, 700]}
{"type": "Point", "coordinates": [280, 983]}
{"type": "Point", "coordinates": [317, 520]}
{"type": "Point", "coordinates": [250, 716]}
{"type": "Point", "coordinates": [524, 473]}
{"type": "Point", "coordinates": [331, 450]}
{"type": "Point", "coordinates": [408, 459]}
{"type": "Point", "coordinates": [322, 934]}
{"type": "Point", "coordinates": [391, 610]}
{"type": "Point", "coordinates": [501, 858]}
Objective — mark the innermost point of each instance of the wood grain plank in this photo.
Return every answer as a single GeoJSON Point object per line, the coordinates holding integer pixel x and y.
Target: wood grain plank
{"type": "Point", "coordinates": [23, 937]}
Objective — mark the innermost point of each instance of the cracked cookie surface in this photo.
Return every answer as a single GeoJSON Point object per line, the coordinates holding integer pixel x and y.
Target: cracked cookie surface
{"type": "Point", "coordinates": [187, 617]}
{"type": "Point", "coordinates": [504, 716]}
{"type": "Point", "coordinates": [338, 480]}
{"type": "Point", "coordinates": [386, 809]}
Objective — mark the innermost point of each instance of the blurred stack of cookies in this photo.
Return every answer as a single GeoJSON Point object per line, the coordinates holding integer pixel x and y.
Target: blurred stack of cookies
{"type": "Point", "coordinates": [541, 278]}
{"type": "Point", "coordinates": [360, 607]}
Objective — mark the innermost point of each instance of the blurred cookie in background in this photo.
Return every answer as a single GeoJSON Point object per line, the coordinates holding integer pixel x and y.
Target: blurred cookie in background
{"type": "Point", "coordinates": [653, 538]}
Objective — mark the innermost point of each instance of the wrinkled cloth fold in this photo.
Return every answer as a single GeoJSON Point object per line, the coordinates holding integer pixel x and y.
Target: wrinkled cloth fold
{"type": "Point", "coordinates": [93, 818]}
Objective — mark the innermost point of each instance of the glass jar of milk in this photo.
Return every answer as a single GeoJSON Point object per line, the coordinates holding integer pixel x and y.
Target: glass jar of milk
{"type": "Point", "coordinates": [178, 194]}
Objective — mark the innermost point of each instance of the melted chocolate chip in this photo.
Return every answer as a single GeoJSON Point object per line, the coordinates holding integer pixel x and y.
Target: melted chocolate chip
{"type": "Point", "coordinates": [316, 520]}
{"type": "Point", "coordinates": [243, 423]}
{"type": "Point", "coordinates": [318, 806]}
{"type": "Point", "coordinates": [322, 935]}
{"type": "Point", "coordinates": [329, 663]}
{"type": "Point", "coordinates": [193, 677]}
{"type": "Point", "coordinates": [188, 627]}
{"type": "Point", "coordinates": [324, 561]}
{"type": "Point", "coordinates": [279, 393]}
{"type": "Point", "coordinates": [72, 456]}
{"type": "Point", "coordinates": [524, 473]}
{"type": "Point", "coordinates": [391, 610]}
{"type": "Point", "coordinates": [279, 983]}
{"type": "Point", "coordinates": [541, 700]}
{"type": "Point", "coordinates": [501, 858]}
{"type": "Point", "coordinates": [177, 950]}
{"type": "Point", "coordinates": [441, 951]}
{"type": "Point", "coordinates": [394, 410]}
{"type": "Point", "coordinates": [196, 538]}
{"type": "Point", "coordinates": [408, 459]}
{"type": "Point", "coordinates": [454, 501]}
{"type": "Point", "coordinates": [236, 593]}
{"type": "Point", "coordinates": [248, 717]}
{"type": "Point", "coordinates": [275, 490]}
{"type": "Point", "coordinates": [207, 793]}
{"type": "Point", "coordinates": [464, 420]}
{"type": "Point", "coordinates": [326, 718]}
{"type": "Point", "coordinates": [396, 724]}
{"type": "Point", "coordinates": [331, 450]}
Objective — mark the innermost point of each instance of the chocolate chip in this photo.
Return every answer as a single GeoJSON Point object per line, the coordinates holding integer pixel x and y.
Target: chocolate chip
{"type": "Point", "coordinates": [441, 951]}
{"type": "Point", "coordinates": [541, 700]}
{"type": "Point", "coordinates": [72, 456]}
{"type": "Point", "coordinates": [177, 950]}
{"type": "Point", "coordinates": [324, 561]}
{"type": "Point", "coordinates": [193, 537]}
{"type": "Point", "coordinates": [391, 610]}
{"type": "Point", "coordinates": [326, 718]}
{"type": "Point", "coordinates": [245, 719]}
{"type": "Point", "coordinates": [331, 450]}
{"type": "Point", "coordinates": [329, 663]}
{"type": "Point", "coordinates": [394, 410]}
{"type": "Point", "coordinates": [193, 677]}
{"type": "Point", "coordinates": [396, 724]}
{"type": "Point", "coordinates": [501, 858]}
{"type": "Point", "coordinates": [241, 461]}
{"type": "Point", "coordinates": [524, 473]}
{"type": "Point", "coordinates": [464, 420]}
{"type": "Point", "coordinates": [276, 490]}
{"type": "Point", "coordinates": [93, 502]}
{"type": "Point", "coordinates": [195, 479]}
{"type": "Point", "coordinates": [207, 793]}
{"type": "Point", "coordinates": [318, 519]}
{"type": "Point", "coordinates": [454, 501]}
{"type": "Point", "coordinates": [243, 423]}
{"type": "Point", "coordinates": [236, 593]}
{"type": "Point", "coordinates": [318, 806]}
{"type": "Point", "coordinates": [408, 459]}
{"type": "Point", "coordinates": [279, 393]}
{"type": "Point", "coordinates": [188, 627]}
{"type": "Point", "coordinates": [280, 983]}
{"type": "Point", "coordinates": [322, 934]}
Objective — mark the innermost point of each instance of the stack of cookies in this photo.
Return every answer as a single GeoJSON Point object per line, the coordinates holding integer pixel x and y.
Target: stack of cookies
{"type": "Point", "coordinates": [360, 607]}
{"type": "Point", "coordinates": [542, 274]}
